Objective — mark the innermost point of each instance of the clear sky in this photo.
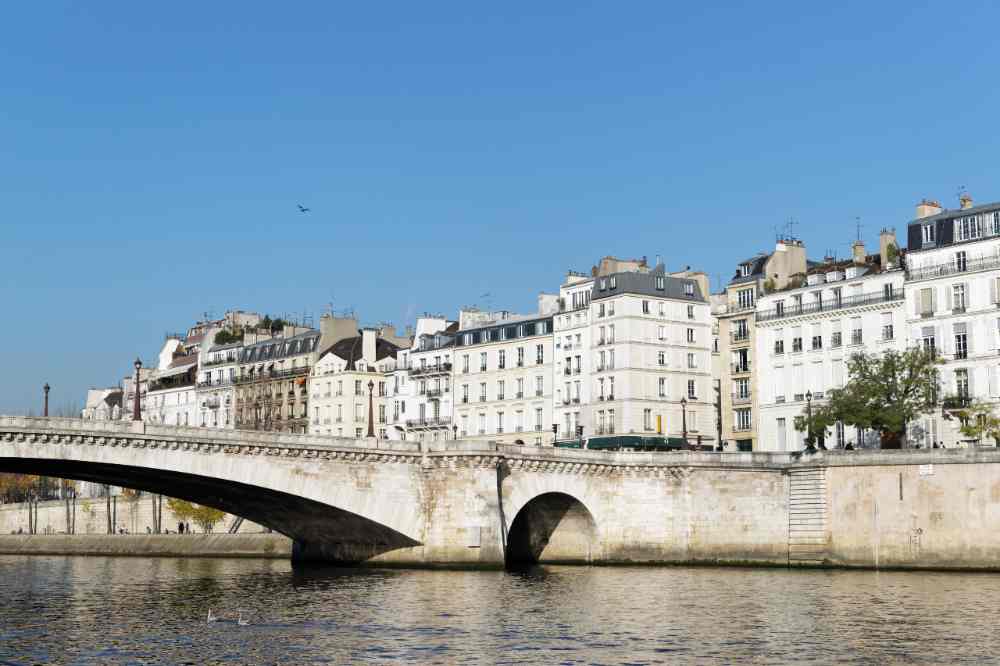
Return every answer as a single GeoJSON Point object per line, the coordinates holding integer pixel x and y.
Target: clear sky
{"type": "Point", "coordinates": [152, 154]}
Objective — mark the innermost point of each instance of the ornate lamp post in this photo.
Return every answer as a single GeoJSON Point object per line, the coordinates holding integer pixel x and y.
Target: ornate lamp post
{"type": "Point", "coordinates": [809, 421]}
{"type": "Point", "coordinates": [136, 412]}
{"type": "Point", "coordinates": [45, 408]}
{"type": "Point", "coordinates": [371, 408]}
{"type": "Point", "coordinates": [684, 422]}
{"type": "Point", "coordinates": [454, 432]}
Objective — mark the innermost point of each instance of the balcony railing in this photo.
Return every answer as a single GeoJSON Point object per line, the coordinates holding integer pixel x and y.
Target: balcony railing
{"type": "Point", "coordinates": [272, 374]}
{"type": "Point", "coordinates": [439, 422]}
{"type": "Point", "coordinates": [827, 306]}
{"type": "Point", "coordinates": [957, 402]}
{"type": "Point", "coordinates": [951, 268]}
{"type": "Point", "coordinates": [741, 399]}
{"type": "Point", "coordinates": [443, 368]}
{"type": "Point", "coordinates": [740, 336]}
{"type": "Point", "coordinates": [740, 368]}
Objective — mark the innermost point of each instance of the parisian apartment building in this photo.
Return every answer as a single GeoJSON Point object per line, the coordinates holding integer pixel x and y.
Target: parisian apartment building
{"type": "Point", "coordinates": [624, 348]}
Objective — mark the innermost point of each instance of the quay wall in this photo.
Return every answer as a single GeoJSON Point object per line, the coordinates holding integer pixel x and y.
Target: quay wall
{"type": "Point", "coordinates": [274, 546]}
{"type": "Point", "coordinates": [132, 516]}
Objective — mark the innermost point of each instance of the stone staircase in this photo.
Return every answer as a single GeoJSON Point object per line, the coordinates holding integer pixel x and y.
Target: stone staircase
{"type": "Point", "coordinates": [807, 535]}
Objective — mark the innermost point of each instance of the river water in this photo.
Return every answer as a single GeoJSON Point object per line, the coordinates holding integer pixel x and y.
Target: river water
{"type": "Point", "coordinates": [138, 610]}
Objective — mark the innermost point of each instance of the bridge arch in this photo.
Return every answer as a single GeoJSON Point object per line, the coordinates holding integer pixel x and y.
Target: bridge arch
{"type": "Point", "coordinates": [553, 527]}
{"type": "Point", "coordinates": [330, 501]}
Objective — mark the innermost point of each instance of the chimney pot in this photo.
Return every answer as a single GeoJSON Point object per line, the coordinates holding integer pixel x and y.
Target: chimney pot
{"type": "Point", "coordinates": [965, 201]}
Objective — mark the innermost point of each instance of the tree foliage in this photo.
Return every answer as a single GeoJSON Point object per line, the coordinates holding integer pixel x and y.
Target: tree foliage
{"type": "Point", "coordinates": [979, 420]}
{"type": "Point", "coordinates": [225, 337]}
{"type": "Point", "coordinates": [884, 392]}
{"type": "Point", "coordinates": [204, 517]}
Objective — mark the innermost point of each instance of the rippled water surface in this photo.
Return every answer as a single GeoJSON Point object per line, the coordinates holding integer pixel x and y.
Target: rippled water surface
{"type": "Point", "coordinates": [136, 610]}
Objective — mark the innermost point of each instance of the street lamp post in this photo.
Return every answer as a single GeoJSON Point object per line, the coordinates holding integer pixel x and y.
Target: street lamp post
{"type": "Point", "coordinates": [454, 431]}
{"type": "Point", "coordinates": [136, 412]}
{"type": "Point", "coordinates": [45, 408]}
{"type": "Point", "coordinates": [371, 408]}
{"type": "Point", "coordinates": [809, 421]}
{"type": "Point", "coordinates": [555, 433]}
{"type": "Point", "coordinates": [684, 422]}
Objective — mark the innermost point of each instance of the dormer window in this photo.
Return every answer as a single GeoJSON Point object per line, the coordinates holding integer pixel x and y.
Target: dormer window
{"type": "Point", "coordinates": [927, 233]}
{"type": "Point", "coordinates": [614, 281]}
{"type": "Point", "coordinates": [689, 288]}
{"type": "Point", "coordinates": [745, 270]}
{"type": "Point", "coordinates": [604, 284]}
{"type": "Point", "coordinates": [661, 282]}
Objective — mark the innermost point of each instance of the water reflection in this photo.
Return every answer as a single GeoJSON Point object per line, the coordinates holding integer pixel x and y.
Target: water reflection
{"type": "Point", "coordinates": [126, 610]}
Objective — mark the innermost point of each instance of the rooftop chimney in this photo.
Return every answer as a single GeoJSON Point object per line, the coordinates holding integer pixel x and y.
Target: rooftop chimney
{"type": "Point", "coordinates": [965, 201]}
{"type": "Point", "coordinates": [926, 208]}
{"type": "Point", "coordinates": [886, 237]}
{"type": "Point", "coordinates": [368, 345]}
{"type": "Point", "coordinates": [858, 251]}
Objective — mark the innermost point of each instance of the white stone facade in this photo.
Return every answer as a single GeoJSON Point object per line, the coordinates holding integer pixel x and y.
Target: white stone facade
{"type": "Point", "coordinates": [804, 338]}
{"type": "Point", "coordinates": [503, 381]}
{"type": "Point", "coordinates": [953, 306]}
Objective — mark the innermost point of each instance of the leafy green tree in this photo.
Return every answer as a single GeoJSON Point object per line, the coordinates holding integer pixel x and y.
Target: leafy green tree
{"type": "Point", "coordinates": [204, 517]}
{"type": "Point", "coordinates": [978, 421]}
{"type": "Point", "coordinates": [225, 337]}
{"type": "Point", "coordinates": [884, 393]}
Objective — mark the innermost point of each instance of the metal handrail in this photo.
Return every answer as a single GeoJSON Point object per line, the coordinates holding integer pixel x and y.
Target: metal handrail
{"type": "Point", "coordinates": [845, 302]}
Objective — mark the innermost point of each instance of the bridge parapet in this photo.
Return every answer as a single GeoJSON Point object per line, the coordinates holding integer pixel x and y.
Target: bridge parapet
{"type": "Point", "coordinates": [466, 453]}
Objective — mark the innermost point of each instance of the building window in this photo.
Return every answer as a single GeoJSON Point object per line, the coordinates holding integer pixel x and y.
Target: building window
{"type": "Point", "coordinates": [779, 347]}
{"type": "Point", "coordinates": [927, 232]}
{"type": "Point", "coordinates": [962, 383]}
{"type": "Point", "coordinates": [499, 422]}
{"type": "Point", "coordinates": [500, 389]}
{"type": "Point", "coordinates": [539, 354]}
{"type": "Point", "coordinates": [502, 359]}
{"type": "Point", "coordinates": [689, 288]}
{"type": "Point", "coordinates": [660, 282]}
{"type": "Point", "coordinates": [796, 345]}
{"type": "Point", "coordinates": [647, 419]}
{"type": "Point", "coordinates": [663, 387]}
{"type": "Point", "coordinates": [742, 419]}
{"type": "Point", "coordinates": [745, 270]}
{"type": "Point", "coordinates": [958, 298]}
{"type": "Point", "coordinates": [691, 361]}
{"type": "Point", "coordinates": [613, 282]}
{"type": "Point", "coordinates": [690, 335]}
{"type": "Point", "coordinates": [645, 307]}
{"type": "Point", "coordinates": [745, 298]}
{"type": "Point", "coordinates": [690, 311]}
{"type": "Point", "coordinates": [968, 228]}
{"type": "Point", "coordinates": [961, 346]}
{"type": "Point", "coordinates": [482, 392]}
{"type": "Point", "coordinates": [817, 342]}
{"type": "Point", "coordinates": [961, 265]}
{"type": "Point", "coordinates": [692, 394]}
{"type": "Point", "coordinates": [661, 358]}
{"type": "Point", "coordinates": [661, 332]}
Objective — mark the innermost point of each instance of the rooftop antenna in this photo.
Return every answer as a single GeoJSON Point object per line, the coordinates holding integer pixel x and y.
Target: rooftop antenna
{"type": "Point", "coordinates": [857, 222]}
{"type": "Point", "coordinates": [791, 228]}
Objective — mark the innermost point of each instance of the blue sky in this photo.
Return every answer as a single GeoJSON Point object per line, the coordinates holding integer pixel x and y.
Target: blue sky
{"type": "Point", "coordinates": [153, 154]}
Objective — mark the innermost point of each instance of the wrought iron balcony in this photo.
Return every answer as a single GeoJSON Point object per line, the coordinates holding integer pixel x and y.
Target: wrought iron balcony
{"type": "Point", "coordinates": [828, 306]}
{"type": "Point", "coordinates": [952, 268]}
{"type": "Point", "coordinates": [739, 399]}
{"type": "Point", "coordinates": [443, 368]}
{"type": "Point", "coordinates": [438, 422]}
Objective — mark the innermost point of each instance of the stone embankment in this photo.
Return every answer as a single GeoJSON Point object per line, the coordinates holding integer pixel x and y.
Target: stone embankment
{"type": "Point", "coordinates": [273, 546]}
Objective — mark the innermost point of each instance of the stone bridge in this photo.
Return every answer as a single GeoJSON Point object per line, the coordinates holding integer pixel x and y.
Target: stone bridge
{"type": "Point", "coordinates": [479, 504]}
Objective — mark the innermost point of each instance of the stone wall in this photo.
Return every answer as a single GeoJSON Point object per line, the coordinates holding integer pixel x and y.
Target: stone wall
{"type": "Point", "coordinates": [156, 545]}
{"type": "Point", "coordinates": [915, 511]}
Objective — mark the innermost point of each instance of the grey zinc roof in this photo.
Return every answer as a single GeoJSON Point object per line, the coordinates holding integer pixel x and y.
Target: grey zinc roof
{"type": "Point", "coordinates": [952, 214]}
{"type": "Point", "coordinates": [645, 284]}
